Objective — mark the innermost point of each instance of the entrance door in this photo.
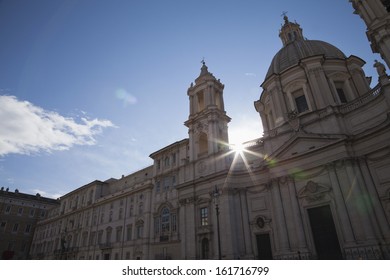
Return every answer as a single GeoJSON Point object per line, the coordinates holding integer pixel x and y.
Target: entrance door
{"type": "Point", "coordinates": [324, 233]}
{"type": "Point", "coordinates": [205, 248]}
{"type": "Point", "coordinates": [264, 250]}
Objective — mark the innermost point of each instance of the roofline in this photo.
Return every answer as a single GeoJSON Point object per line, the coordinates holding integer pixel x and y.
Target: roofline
{"type": "Point", "coordinates": [152, 155]}
{"type": "Point", "coordinates": [36, 197]}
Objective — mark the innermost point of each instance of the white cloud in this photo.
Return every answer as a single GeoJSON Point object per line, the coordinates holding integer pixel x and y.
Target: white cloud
{"type": "Point", "coordinates": [26, 128]}
{"type": "Point", "coordinates": [46, 194]}
{"type": "Point", "coordinates": [125, 97]}
{"type": "Point", "coordinates": [250, 74]}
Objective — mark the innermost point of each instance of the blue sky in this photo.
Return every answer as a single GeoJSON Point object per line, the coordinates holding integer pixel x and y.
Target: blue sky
{"type": "Point", "coordinates": [90, 88]}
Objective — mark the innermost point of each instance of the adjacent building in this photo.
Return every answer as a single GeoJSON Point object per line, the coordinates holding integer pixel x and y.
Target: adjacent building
{"type": "Point", "coordinates": [19, 214]}
{"type": "Point", "coordinates": [316, 185]}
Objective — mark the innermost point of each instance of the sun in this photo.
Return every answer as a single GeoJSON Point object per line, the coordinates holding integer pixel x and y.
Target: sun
{"type": "Point", "coordinates": [238, 148]}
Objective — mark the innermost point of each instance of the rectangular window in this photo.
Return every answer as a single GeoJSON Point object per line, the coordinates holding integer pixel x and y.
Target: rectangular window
{"type": "Point", "coordinates": [131, 212]}
{"type": "Point", "coordinates": [20, 211]}
{"type": "Point", "coordinates": [204, 216]}
{"type": "Point", "coordinates": [166, 183]}
{"type": "Point", "coordinates": [100, 237]}
{"type": "Point", "coordinates": [15, 228]}
{"type": "Point", "coordinates": [120, 215]}
{"type": "Point", "coordinates": [129, 233]}
{"type": "Point", "coordinates": [28, 229]}
{"type": "Point", "coordinates": [301, 103]}
{"type": "Point", "coordinates": [118, 234]}
{"type": "Point", "coordinates": [140, 230]}
{"type": "Point", "coordinates": [158, 164]}
{"type": "Point", "coordinates": [341, 94]}
{"type": "Point", "coordinates": [173, 158]}
{"type": "Point", "coordinates": [2, 226]}
{"type": "Point", "coordinates": [8, 209]}
{"type": "Point", "coordinates": [32, 212]}
{"type": "Point", "coordinates": [174, 181]}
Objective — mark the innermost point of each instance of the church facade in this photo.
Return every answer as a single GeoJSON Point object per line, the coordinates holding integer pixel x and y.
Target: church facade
{"type": "Point", "coordinates": [316, 185]}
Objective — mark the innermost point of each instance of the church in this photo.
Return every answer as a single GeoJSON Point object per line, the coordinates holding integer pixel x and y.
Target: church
{"type": "Point", "coordinates": [316, 185]}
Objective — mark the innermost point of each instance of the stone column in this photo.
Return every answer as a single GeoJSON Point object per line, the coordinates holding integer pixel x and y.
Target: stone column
{"type": "Point", "coordinates": [282, 243]}
{"type": "Point", "coordinates": [245, 222]}
{"type": "Point", "coordinates": [340, 202]}
{"type": "Point", "coordinates": [358, 198]}
{"type": "Point", "coordinates": [301, 238]}
{"type": "Point", "coordinates": [187, 228]}
{"type": "Point", "coordinates": [278, 105]}
{"type": "Point", "coordinates": [378, 212]}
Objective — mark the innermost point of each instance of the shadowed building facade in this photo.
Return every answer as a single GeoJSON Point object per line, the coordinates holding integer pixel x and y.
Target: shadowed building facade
{"type": "Point", "coordinates": [19, 214]}
{"type": "Point", "coordinates": [316, 185]}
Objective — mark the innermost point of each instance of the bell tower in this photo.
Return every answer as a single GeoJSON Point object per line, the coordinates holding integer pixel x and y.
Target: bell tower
{"type": "Point", "coordinates": [376, 15]}
{"type": "Point", "coordinates": [207, 123]}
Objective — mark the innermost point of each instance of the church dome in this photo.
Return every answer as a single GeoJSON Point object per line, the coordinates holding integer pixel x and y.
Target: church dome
{"type": "Point", "coordinates": [296, 47]}
{"type": "Point", "coordinates": [292, 53]}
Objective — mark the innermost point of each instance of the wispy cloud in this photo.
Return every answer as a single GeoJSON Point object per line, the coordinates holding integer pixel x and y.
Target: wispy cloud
{"type": "Point", "coordinates": [26, 128]}
{"type": "Point", "coordinates": [250, 74]}
{"type": "Point", "coordinates": [125, 97]}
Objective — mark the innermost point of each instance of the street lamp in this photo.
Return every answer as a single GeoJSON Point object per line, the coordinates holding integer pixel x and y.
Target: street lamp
{"type": "Point", "coordinates": [215, 195]}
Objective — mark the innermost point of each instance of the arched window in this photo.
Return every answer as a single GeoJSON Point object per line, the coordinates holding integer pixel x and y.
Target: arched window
{"type": "Point", "coordinates": [201, 103]}
{"type": "Point", "coordinates": [166, 161]}
{"type": "Point", "coordinates": [165, 224]}
{"type": "Point", "coordinates": [165, 220]}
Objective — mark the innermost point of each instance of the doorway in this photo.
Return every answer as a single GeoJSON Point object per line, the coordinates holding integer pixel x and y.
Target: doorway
{"type": "Point", "coordinates": [324, 233]}
{"type": "Point", "coordinates": [264, 250]}
{"type": "Point", "coordinates": [205, 248]}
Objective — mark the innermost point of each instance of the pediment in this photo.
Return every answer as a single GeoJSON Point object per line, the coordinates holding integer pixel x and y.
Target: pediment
{"type": "Point", "coordinates": [313, 191]}
{"type": "Point", "coordinates": [302, 144]}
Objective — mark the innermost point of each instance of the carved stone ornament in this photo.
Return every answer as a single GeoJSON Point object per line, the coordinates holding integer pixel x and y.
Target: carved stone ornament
{"type": "Point", "coordinates": [188, 200]}
{"type": "Point", "coordinates": [261, 222]}
{"type": "Point", "coordinates": [202, 167]}
{"type": "Point", "coordinates": [293, 120]}
{"type": "Point", "coordinates": [201, 127]}
{"type": "Point", "coordinates": [313, 192]}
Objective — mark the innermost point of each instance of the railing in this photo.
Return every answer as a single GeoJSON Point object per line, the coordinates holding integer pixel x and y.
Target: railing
{"type": "Point", "coordinates": [361, 100]}
{"type": "Point", "coordinates": [252, 143]}
{"type": "Point", "coordinates": [375, 252]}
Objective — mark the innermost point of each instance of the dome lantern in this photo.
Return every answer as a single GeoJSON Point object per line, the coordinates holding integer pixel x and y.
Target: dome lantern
{"type": "Point", "coordinates": [290, 32]}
